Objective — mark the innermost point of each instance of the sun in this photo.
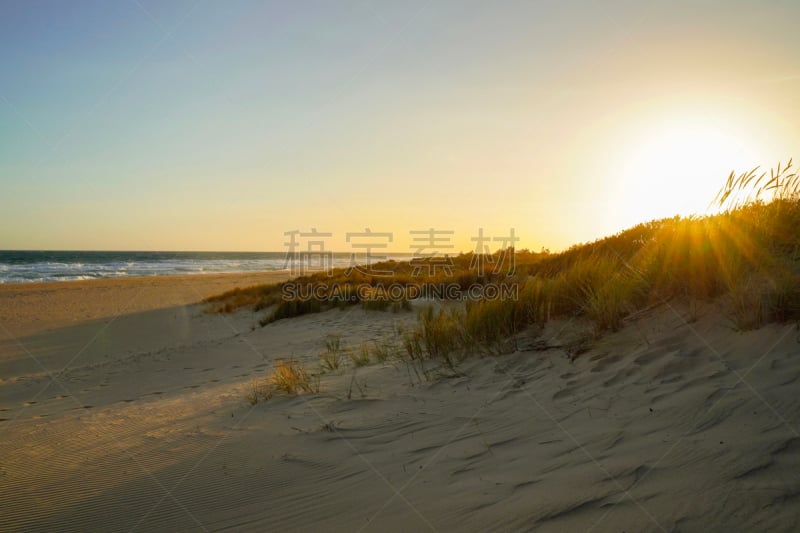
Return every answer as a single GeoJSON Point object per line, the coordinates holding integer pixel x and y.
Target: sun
{"type": "Point", "coordinates": [676, 165]}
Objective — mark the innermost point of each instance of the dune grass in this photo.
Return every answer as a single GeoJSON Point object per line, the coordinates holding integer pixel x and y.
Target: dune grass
{"type": "Point", "coordinates": [341, 287]}
{"type": "Point", "coordinates": [288, 377]}
{"type": "Point", "coordinates": [361, 357]}
{"type": "Point", "coordinates": [745, 259]}
{"type": "Point", "coordinates": [291, 377]}
{"type": "Point", "coordinates": [333, 356]}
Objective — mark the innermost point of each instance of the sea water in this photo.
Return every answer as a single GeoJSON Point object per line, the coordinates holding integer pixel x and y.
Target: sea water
{"type": "Point", "coordinates": [29, 266]}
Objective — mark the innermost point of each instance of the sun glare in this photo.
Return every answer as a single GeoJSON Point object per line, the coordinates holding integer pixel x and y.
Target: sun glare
{"type": "Point", "coordinates": [676, 166]}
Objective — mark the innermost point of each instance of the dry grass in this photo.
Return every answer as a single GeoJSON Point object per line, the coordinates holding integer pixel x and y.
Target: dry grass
{"type": "Point", "coordinates": [783, 184]}
{"type": "Point", "coordinates": [334, 353]}
{"type": "Point", "coordinates": [536, 301]}
{"type": "Point", "coordinates": [745, 308]}
{"type": "Point", "coordinates": [258, 391]}
{"type": "Point", "coordinates": [441, 334]}
{"type": "Point", "coordinates": [360, 358]}
{"type": "Point", "coordinates": [342, 286]}
{"type": "Point", "coordinates": [487, 322]}
{"type": "Point", "coordinates": [746, 258]}
{"type": "Point", "coordinates": [288, 377]}
{"type": "Point", "coordinates": [748, 254]}
{"type": "Point", "coordinates": [257, 297]}
{"type": "Point", "coordinates": [783, 295]}
{"type": "Point", "coordinates": [292, 378]}
{"type": "Point", "coordinates": [384, 350]}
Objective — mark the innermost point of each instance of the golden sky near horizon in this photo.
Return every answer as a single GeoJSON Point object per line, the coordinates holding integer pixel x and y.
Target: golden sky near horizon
{"type": "Point", "coordinates": [220, 127]}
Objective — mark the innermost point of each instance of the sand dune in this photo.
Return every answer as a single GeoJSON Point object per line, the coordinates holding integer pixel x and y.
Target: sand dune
{"type": "Point", "coordinates": [666, 425]}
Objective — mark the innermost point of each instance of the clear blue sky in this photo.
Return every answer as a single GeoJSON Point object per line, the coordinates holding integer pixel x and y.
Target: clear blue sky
{"type": "Point", "coordinates": [184, 125]}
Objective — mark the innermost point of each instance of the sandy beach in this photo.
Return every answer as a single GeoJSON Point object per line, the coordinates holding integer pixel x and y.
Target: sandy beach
{"type": "Point", "coordinates": [383, 266]}
{"type": "Point", "coordinates": [124, 408]}
{"type": "Point", "coordinates": [27, 308]}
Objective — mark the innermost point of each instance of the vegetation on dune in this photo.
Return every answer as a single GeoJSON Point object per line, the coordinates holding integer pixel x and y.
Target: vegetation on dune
{"type": "Point", "coordinates": [347, 287]}
{"type": "Point", "coordinates": [745, 257]}
{"type": "Point", "coordinates": [333, 356]}
{"type": "Point", "coordinates": [289, 377]}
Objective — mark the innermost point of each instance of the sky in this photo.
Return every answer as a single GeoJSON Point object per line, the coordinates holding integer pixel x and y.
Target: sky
{"type": "Point", "coordinates": [200, 125]}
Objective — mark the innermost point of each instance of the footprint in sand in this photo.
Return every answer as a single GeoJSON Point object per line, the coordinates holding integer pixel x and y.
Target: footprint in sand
{"type": "Point", "coordinates": [563, 393]}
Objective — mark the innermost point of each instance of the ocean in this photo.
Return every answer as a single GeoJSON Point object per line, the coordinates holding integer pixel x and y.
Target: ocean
{"type": "Point", "coordinates": [30, 266]}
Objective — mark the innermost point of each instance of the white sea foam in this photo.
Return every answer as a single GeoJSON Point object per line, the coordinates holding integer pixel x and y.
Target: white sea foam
{"type": "Point", "coordinates": [25, 268]}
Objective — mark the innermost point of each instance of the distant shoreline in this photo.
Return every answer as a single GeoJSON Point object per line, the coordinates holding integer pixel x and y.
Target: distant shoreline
{"type": "Point", "coordinates": [30, 283]}
{"type": "Point", "coordinates": [23, 267]}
